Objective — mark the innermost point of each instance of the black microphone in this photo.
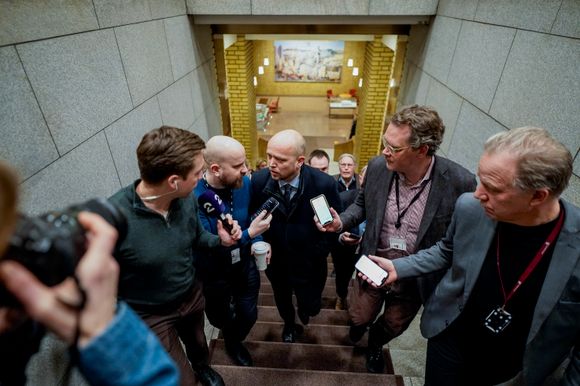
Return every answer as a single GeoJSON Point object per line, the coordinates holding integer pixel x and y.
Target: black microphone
{"type": "Point", "coordinates": [213, 206]}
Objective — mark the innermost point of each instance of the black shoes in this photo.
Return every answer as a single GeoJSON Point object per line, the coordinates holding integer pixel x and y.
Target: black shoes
{"type": "Point", "coordinates": [375, 359]}
{"type": "Point", "coordinates": [303, 316]}
{"type": "Point", "coordinates": [355, 333]}
{"type": "Point", "coordinates": [239, 354]}
{"type": "Point", "coordinates": [290, 332]}
{"type": "Point", "coordinates": [208, 376]}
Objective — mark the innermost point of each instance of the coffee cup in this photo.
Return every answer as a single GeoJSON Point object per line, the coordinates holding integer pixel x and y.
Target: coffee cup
{"type": "Point", "coordinates": [260, 252]}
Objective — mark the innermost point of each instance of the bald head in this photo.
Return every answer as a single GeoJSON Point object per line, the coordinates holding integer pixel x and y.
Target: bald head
{"type": "Point", "coordinates": [290, 138]}
{"type": "Point", "coordinates": [219, 149]}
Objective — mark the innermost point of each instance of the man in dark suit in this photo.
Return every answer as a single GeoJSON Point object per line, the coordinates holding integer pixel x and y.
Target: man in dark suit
{"type": "Point", "coordinates": [407, 202]}
{"type": "Point", "coordinates": [508, 307]}
{"type": "Point", "coordinates": [299, 251]}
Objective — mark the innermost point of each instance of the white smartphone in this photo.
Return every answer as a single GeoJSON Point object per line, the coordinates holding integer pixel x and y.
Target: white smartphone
{"type": "Point", "coordinates": [371, 270]}
{"type": "Point", "coordinates": [321, 209]}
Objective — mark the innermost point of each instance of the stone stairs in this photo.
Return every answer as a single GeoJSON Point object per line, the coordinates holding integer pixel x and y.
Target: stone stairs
{"type": "Point", "coordinates": [323, 355]}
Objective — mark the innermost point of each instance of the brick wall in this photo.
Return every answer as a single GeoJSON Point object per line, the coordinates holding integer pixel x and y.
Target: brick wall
{"type": "Point", "coordinates": [239, 60]}
{"type": "Point", "coordinates": [376, 74]}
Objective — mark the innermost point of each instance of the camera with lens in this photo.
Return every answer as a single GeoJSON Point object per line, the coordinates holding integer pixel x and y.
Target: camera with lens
{"type": "Point", "coordinates": [51, 245]}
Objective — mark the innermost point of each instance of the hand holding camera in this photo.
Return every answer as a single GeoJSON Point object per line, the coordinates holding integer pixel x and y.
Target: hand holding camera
{"type": "Point", "coordinates": [54, 307]}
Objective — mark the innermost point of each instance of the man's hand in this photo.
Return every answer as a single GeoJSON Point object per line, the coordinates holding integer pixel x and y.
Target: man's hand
{"type": "Point", "coordinates": [98, 275]}
{"type": "Point", "coordinates": [346, 239]}
{"type": "Point", "coordinates": [385, 264]}
{"type": "Point", "coordinates": [229, 239]}
{"type": "Point", "coordinates": [334, 226]}
{"type": "Point", "coordinates": [260, 224]}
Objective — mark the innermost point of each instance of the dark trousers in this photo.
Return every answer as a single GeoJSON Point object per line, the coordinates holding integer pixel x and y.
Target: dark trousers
{"type": "Point", "coordinates": [402, 303]}
{"type": "Point", "coordinates": [183, 324]}
{"type": "Point", "coordinates": [454, 359]}
{"type": "Point", "coordinates": [307, 287]}
{"type": "Point", "coordinates": [344, 259]}
{"type": "Point", "coordinates": [232, 300]}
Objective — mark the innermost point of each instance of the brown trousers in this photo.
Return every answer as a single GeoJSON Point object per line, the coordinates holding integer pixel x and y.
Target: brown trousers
{"type": "Point", "coordinates": [184, 324]}
{"type": "Point", "coordinates": [402, 302]}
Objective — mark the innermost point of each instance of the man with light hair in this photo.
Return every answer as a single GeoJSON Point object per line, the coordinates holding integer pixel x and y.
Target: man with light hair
{"type": "Point", "coordinates": [299, 252]}
{"type": "Point", "coordinates": [507, 309]}
{"type": "Point", "coordinates": [344, 255]}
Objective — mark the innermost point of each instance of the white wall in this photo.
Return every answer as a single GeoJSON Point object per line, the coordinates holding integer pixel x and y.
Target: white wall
{"type": "Point", "coordinates": [82, 81]}
{"type": "Point", "coordinates": [493, 65]}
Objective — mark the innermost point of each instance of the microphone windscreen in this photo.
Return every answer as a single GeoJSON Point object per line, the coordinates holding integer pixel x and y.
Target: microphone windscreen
{"type": "Point", "coordinates": [211, 203]}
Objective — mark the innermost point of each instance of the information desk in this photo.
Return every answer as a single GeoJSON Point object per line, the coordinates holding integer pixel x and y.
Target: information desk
{"type": "Point", "coordinates": [343, 104]}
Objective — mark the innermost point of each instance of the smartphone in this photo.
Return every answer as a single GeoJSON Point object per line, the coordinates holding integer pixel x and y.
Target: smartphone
{"type": "Point", "coordinates": [354, 236]}
{"type": "Point", "coordinates": [268, 206]}
{"type": "Point", "coordinates": [371, 270]}
{"type": "Point", "coordinates": [321, 209]}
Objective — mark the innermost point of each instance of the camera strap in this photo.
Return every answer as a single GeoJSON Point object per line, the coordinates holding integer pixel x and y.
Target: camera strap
{"type": "Point", "coordinates": [73, 349]}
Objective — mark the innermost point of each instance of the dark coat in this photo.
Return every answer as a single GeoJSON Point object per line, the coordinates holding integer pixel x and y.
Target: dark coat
{"type": "Point", "coordinates": [298, 247]}
{"type": "Point", "coordinates": [450, 180]}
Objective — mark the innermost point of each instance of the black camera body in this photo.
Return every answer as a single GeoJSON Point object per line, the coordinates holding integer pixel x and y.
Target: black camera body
{"type": "Point", "coordinates": [51, 245]}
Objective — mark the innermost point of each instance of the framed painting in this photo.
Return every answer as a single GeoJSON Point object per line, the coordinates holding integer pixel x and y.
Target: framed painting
{"type": "Point", "coordinates": [308, 60]}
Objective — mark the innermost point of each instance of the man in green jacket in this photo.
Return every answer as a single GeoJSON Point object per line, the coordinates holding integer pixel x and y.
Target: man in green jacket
{"type": "Point", "coordinates": [156, 258]}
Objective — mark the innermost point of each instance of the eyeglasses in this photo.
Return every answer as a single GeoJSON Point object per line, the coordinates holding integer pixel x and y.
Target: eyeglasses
{"type": "Point", "coordinates": [393, 149]}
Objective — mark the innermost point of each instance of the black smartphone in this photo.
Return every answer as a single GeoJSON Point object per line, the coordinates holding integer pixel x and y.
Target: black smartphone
{"type": "Point", "coordinates": [269, 206]}
{"type": "Point", "coordinates": [321, 209]}
{"type": "Point", "coordinates": [354, 236]}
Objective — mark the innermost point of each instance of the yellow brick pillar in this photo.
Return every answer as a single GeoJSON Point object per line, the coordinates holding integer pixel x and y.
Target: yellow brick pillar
{"type": "Point", "coordinates": [372, 101]}
{"type": "Point", "coordinates": [239, 63]}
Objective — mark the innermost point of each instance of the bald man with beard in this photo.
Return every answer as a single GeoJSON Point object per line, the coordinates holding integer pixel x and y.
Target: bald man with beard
{"type": "Point", "coordinates": [229, 274]}
{"type": "Point", "coordinates": [299, 251]}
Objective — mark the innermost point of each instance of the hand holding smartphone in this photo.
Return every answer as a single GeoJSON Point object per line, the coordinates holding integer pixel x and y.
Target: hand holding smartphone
{"type": "Point", "coordinates": [371, 270]}
{"type": "Point", "coordinates": [267, 206]}
{"type": "Point", "coordinates": [321, 209]}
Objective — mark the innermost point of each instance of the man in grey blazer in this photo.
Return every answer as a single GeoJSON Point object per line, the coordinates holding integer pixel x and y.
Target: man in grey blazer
{"type": "Point", "coordinates": [508, 307]}
{"type": "Point", "coordinates": [407, 199]}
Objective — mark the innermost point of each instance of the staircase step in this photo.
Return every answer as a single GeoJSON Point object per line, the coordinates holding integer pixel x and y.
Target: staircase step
{"type": "Point", "coordinates": [329, 290]}
{"type": "Point", "coordinates": [300, 356]}
{"type": "Point", "coordinates": [253, 376]}
{"type": "Point", "coordinates": [326, 316]}
{"type": "Point", "coordinates": [313, 334]}
{"type": "Point", "coordinates": [268, 300]}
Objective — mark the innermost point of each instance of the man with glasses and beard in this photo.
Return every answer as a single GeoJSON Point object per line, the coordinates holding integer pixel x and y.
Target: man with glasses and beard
{"type": "Point", "coordinates": [407, 200]}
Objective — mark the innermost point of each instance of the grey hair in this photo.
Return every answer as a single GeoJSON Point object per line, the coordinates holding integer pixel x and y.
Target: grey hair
{"type": "Point", "coordinates": [344, 155]}
{"type": "Point", "coordinates": [542, 161]}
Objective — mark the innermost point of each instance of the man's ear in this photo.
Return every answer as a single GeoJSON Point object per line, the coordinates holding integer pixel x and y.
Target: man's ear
{"type": "Point", "coordinates": [423, 149]}
{"type": "Point", "coordinates": [214, 169]}
{"type": "Point", "coordinates": [300, 160]}
{"type": "Point", "coordinates": [539, 196]}
{"type": "Point", "coordinates": [172, 180]}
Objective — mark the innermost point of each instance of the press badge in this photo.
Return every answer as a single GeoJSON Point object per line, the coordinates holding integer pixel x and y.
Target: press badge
{"type": "Point", "coordinates": [236, 255]}
{"type": "Point", "coordinates": [397, 243]}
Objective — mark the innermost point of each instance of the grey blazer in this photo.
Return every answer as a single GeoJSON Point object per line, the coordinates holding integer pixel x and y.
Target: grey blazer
{"type": "Point", "coordinates": [450, 180]}
{"type": "Point", "coordinates": [555, 329]}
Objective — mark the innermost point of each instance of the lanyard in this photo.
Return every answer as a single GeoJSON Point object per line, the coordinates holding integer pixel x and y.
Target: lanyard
{"type": "Point", "coordinates": [400, 214]}
{"type": "Point", "coordinates": [527, 272]}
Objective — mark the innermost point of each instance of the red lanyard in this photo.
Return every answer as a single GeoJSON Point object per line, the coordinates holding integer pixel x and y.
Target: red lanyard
{"type": "Point", "coordinates": [533, 263]}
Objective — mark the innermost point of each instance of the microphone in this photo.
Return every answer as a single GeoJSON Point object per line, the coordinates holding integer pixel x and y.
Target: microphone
{"type": "Point", "coordinates": [213, 206]}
